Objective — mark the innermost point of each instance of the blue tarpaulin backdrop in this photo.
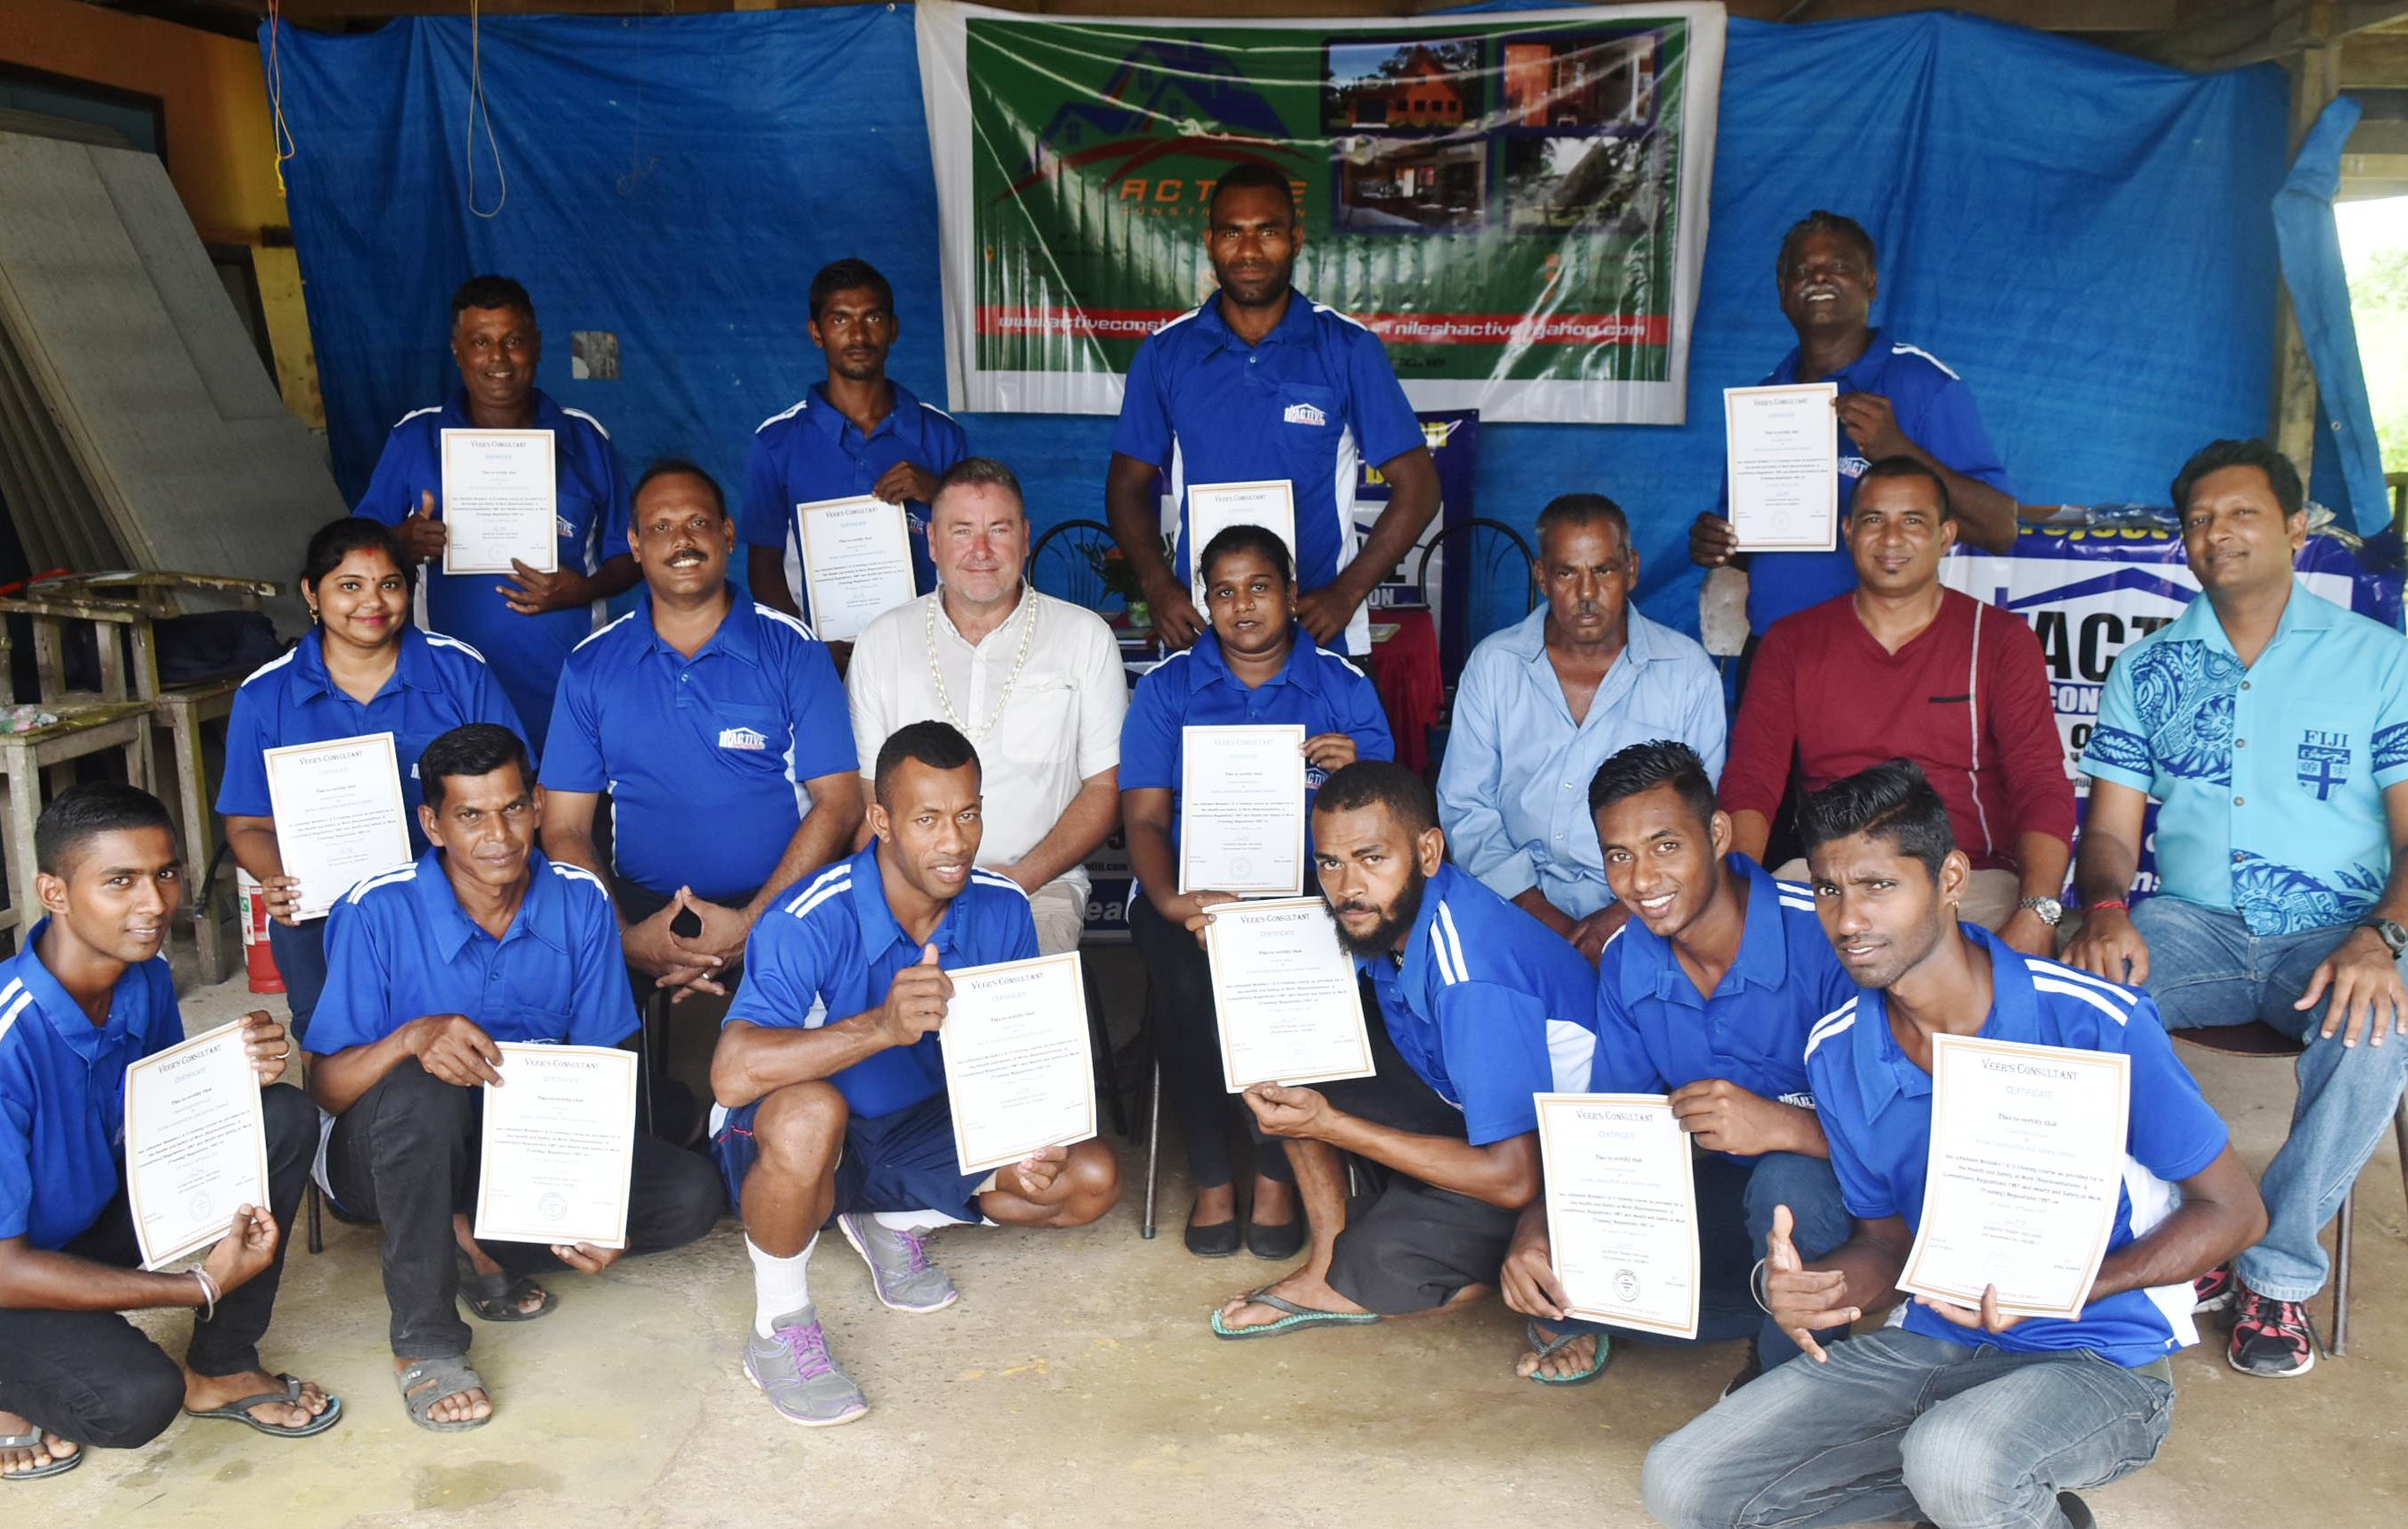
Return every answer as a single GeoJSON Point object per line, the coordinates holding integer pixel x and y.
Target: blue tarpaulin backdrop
{"type": "Point", "coordinates": [2087, 240]}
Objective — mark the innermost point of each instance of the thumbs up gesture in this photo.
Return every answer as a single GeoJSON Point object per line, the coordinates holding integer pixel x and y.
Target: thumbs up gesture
{"type": "Point", "coordinates": [915, 999]}
{"type": "Point", "coordinates": [1803, 1301]}
{"type": "Point", "coordinates": [422, 534]}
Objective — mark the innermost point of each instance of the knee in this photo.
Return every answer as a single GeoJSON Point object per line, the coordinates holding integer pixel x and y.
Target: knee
{"type": "Point", "coordinates": [1957, 1473]}
{"type": "Point", "coordinates": [1676, 1485]}
{"type": "Point", "coordinates": [413, 1111]}
{"type": "Point", "coordinates": [1090, 1183]}
{"type": "Point", "coordinates": [1805, 1185]}
{"type": "Point", "coordinates": [695, 1199]}
{"type": "Point", "coordinates": [801, 1127]}
{"type": "Point", "coordinates": [137, 1409]}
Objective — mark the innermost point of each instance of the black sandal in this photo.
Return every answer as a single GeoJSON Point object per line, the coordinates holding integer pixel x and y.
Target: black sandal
{"type": "Point", "coordinates": [496, 1297]}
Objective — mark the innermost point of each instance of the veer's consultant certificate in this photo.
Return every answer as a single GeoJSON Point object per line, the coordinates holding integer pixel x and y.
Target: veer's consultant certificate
{"type": "Point", "coordinates": [339, 813]}
{"type": "Point", "coordinates": [2025, 1169]}
{"type": "Point", "coordinates": [856, 563]}
{"type": "Point", "coordinates": [1622, 1209]}
{"type": "Point", "coordinates": [1213, 508]}
{"type": "Point", "coordinates": [1784, 465]}
{"type": "Point", "coordinates": [1018, 1071]}
{"type": "Point", "coordinates": [195, 1146]}
{"type": "Point", "coordinates": [559, 1145]}
{"type": "Point", "coordinates": [1241, 809]}
{"type": "Point", "coordinates": [500, 501]}
{"type": "Point", "coordinates": [1286, 993]}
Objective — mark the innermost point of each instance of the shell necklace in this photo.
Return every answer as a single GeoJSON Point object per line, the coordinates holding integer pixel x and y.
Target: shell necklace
{"type": "Point", "coordinates": [1019, 661]}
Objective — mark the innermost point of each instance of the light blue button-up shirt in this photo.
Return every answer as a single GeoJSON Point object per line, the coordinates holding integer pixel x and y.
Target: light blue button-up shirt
{"type": "Point", "coordinates": [1513, 791]}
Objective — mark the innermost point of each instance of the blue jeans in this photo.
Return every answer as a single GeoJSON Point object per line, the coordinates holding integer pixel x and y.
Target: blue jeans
{"type": "Point", "coordinates": [2206, 968]}
{"type": "Point", "coordinates": [300, 955]}
{"type": "Point", "coordinates": [1898, 1426]}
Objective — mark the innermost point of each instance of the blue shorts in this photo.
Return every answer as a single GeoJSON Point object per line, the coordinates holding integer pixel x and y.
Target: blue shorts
{"type": "Point", "coordinates": [901, 1161]}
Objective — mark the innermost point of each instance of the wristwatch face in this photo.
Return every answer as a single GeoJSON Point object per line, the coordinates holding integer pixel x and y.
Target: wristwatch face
{"type": "Point", "coordinates": [2050, 910]}
{"type": "Point", "coordinates": [2394, 938]}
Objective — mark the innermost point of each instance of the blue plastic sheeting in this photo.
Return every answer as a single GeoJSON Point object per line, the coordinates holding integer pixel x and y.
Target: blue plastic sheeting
{"type": "Point", "coordinates": [2312, 269]}
{"type": "Point", "coordinates": [2086, 238]}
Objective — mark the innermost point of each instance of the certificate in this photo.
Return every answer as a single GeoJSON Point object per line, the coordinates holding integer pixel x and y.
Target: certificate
{"type": "Point", "coordinates": [195, 1147]}
{"type": "Point", "coordinates": [1241, 809]}
{"type": "Point", "coordinates": [1286, 993]}
{"type": "Point", "coordinates": [559, 1145]}
{"type": "Point", "coordinates": [856, 563]}
{"type": "Point", "coordinates": [1784, 469]}
{"type": "Point", "coordinates": [1622, 1209]}
{"type": "Point", "coordinates": [1213, 508]}
{"type": "Point", "coordinates": [1018, 1071]}
{"type": "Point", "coordinates": [340, 814]}
{"type": "Point", "coordinates": [500, 501]}
{"type": "Point", "coordinates": [2027, 1165]}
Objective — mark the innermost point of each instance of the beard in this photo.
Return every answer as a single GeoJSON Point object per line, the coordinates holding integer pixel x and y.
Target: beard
{"type": "Point", "coordinates": [1395, 920]}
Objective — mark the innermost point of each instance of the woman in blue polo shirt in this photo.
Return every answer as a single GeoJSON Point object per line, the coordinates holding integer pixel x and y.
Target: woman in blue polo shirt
{"type": "Point", "coordinates": [1257, 666]}
{"type": "Point", "coordinates": [362, 669]}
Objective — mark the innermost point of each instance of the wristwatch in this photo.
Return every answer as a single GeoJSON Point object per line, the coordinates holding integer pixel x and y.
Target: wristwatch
{"type": "Point", "coordinates": [2394, 938]}
{"type": "Point", "coordinates": [2051, 910]}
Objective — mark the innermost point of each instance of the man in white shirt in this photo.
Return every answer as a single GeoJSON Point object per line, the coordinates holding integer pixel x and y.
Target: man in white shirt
{"type": "Point", "coordinates": [1034, 682]}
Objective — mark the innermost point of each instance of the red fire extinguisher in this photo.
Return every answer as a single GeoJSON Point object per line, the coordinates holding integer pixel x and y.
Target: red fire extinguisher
{"type": "Point", "coordinates": [256, 957]}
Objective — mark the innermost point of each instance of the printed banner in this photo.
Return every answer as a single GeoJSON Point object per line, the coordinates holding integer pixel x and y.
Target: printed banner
{"type": "Point", "coordinates": [1515, 202]}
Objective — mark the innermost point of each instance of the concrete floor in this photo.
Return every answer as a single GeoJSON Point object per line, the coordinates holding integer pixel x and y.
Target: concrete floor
{"type": "Point", "coordinates": [1076, 1384]}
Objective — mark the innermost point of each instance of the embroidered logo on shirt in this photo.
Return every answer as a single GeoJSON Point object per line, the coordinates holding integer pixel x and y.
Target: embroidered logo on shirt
{"type": "Point", "coordinates": [1853, 467]}
{"type": "Point", "coordinates": [1304, 414]}
{"type": "Point", "coordinates": [567, 532]}
{"type": "Point", "coordinates": [743, 738]}
{"type": "Point", "coordinates": [2324, 762]}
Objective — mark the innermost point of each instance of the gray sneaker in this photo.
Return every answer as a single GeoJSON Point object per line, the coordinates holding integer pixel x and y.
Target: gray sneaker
{"type": "Point", "coordinates": [793, 1368]}
{"type": "Point", "coordinates": [898, 1265]}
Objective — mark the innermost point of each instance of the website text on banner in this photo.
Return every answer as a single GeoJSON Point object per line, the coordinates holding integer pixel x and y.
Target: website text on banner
{"type": "Point", "coordinates": [1515, 202]}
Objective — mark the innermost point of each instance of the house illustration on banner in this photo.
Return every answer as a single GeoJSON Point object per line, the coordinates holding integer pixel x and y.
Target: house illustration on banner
{"type": "Point", "coordinates": [1164, 97]}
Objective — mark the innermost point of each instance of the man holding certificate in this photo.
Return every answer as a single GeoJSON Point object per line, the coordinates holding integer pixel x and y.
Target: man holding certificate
{"type": "Point", "coordinates": [831, 1078]}
{"type": "Point", "coordinates": [1482, 1007]}
{"type": "Point", "coordinates": [86, 999]}
{"type": "Point", "coordinates": [1965, 1412]}
{"type": "Point", "coordinates": [431, 967]}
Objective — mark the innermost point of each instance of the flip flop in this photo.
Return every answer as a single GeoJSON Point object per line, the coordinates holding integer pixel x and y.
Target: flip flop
{"type": "Point", "coordinates": [428, 1382]}
{"type": "Point", "coordinates": [1548, 1348]}
{"type": "Point", "coordinates": [239, 1410]}
{"type": "Point", "coordinates": [1296, 1320]}
{"type": "Point", "coordinates": [34, 1441]}
{"type": "Point", "coordinates": [496, 1297]}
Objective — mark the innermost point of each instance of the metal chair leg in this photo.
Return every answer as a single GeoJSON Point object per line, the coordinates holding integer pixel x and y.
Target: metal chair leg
{"type": "Point", "coordinates": [317, 1230]}
{"type": "Point", "coordinates": [1153, 1147]}
{"type": "Point", "coordinates": [2400, 1138]}
{"type": "Point", "coordinates": [1108, 1073]}
{"type": "Point", "coordinates": [2342, 1238]}
{"type": "Point", "coordinates": [644, 1064]}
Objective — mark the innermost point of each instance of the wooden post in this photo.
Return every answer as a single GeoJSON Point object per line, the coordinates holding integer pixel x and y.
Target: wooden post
{"type": "Point", "coordinates": [2315, 81]}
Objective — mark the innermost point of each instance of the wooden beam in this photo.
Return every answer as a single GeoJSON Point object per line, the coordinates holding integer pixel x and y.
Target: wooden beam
{"type": "Point", "coordinates": [2316, 79]}
{"type": "Point", "coordinates": [2374, 61]}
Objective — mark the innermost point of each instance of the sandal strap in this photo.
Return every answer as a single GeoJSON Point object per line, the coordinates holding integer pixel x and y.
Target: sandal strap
{"type": "Point", "coordinates": [427, 1381]}
{"type": "Point", "coordinates": [291, 1393]}
{"type": "Point", "coordinates": [1548, 1348]}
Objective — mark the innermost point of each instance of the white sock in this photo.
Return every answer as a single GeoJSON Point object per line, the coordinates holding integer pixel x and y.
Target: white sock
{"type": "Point", "coordinates": [781, 1286]}
{"type": "Point", "coordinates": [913, 1220]}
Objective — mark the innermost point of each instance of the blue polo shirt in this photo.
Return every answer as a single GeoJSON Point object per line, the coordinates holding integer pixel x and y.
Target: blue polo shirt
{"type": "Point", "coordinates": [2271, 777]}
{"type": "Point", "coordinates": [1196, 688]}
{"type": "Point", "coordinates": [813, 452]}
{"type": "Point", "coordinates": [62, 1090]}
{"type": "Point", "coordinates": [1876, 1107]}
{"type": "Point", "coordinates": [438, 684]}
{"type": "Point", "coordinates": [526, 651]}
{"type": "Point", "coordinates": [399, 946]}
{"type": "Point", "coordinates": [831, 950]}
{"type": "Point", "coordinates": [1655, 1032]}
{"type": "Point", "coordinates": [1312, 403]}
{"type": "Point", "coordinates": [1935, 409]}
{"type": "Point", "coordinates": [706, 759]}
{"type": "Point", "coordinates": [1488, 1005]}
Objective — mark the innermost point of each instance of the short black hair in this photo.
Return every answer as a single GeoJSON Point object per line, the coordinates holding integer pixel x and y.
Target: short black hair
{"type": "Point", "coordinates": [338, 539]}
{"type": "Point", "coordinates": [1581, 510]}
{"type": "Point", "coordinates": [1903, 466]}
{"type": "Point", "coordinates": [83, 813]}
{"type": "Point", "coordinates": [1259, 540]}
{"type": "Point", "coordinates": [1255, 175]}
{"type": "Point", "coordinates": [843, 276]}
{"type": "Point", "coordinates": [1382, 782]}
{"type": "Point", "coordinates": [940, 745]}
{"type": "Point", "coordinates": [679, 466]}
{"type": "Point", "coordinates": [491, 292]}
{"type": "Point", "coordinates": [1891, 800]}
{"type": "Point", "coordinates": [1643, 767]}
{"type": "Point", "coordinates": [469, 750]}
{"type": "Point", "coordinates": [979, 472]}
{"type": "Point", "coordinates": [1836, 224]}
{"type": "Point", "coordinates": [2218, 455]}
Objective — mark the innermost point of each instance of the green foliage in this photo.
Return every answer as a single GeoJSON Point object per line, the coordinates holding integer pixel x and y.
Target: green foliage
{"type": "Point", "coordinates": [2378, 300]}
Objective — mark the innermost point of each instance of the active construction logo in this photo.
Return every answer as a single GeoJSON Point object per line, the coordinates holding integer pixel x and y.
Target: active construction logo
{"type": "Point", "coordinates": [746, 739]}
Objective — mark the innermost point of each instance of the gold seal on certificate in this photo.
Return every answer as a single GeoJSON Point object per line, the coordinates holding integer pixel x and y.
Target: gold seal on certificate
{"type": "Point", "coordinates": [1784, 465]}
{"type": "Point", "coordinates": [1622, 1209]}
{"type": "Point", "coordinates": [501, 501]}
{"type": "Point", "coordinates": [1213, 508]}
{"type": "Point", "coordinates": [1241, 809]}
{"type": "Point", "coordinates": [340, 814]}
{"type": "Point", "coordinates": [2025, 1170]}
{"type": "Point", "coordinates": [1020, 1073]}
{"type": "Point", "coordinates": [559, 1145]}
{"type": "Point", "coordinates": [856, 562]}
{"type": "Point", "coordinates": [195, 1144]}
{"type": "Point", "coordinates": [1286, 993]}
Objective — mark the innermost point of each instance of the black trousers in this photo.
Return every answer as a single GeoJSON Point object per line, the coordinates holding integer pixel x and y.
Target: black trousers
{"type": "Point", "coordinates": [94, 1378]}
{"type": "Point", "coordinates": [405, 1154]}
{"type": "Point", "coordinates": [1187, 1042]}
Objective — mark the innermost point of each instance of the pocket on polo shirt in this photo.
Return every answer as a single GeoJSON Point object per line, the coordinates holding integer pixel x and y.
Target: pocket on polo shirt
{"type": "Point", "coordinates": [749, 732]}
{"type": "Point", "coordinates": [2324, 750]}
{"type": "Point", "coordinates": [1041, 725]}
{"type": "Point", "coordinates": [1310, 419]}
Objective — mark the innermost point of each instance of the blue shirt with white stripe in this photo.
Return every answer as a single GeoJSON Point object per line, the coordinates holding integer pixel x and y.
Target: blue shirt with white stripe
{"type": "Point", "coordinates": [1311, 403]}
{"type": "Point", "coordinates": [593, 513]}
{"type": "Point", "coordinates": [831, 950]}
{"type": "Point", "coordinates": [1876, 1107]}
{"type": "Point", "coordinates": [62, 1090]}
{"type": "Point", "coordinates": [399, 946]}
{"type": "Point", "coordinates": [1488, 1005]}
{"type": "Point", "coordinates": [708, 759]}
{"type": "Point", "coordinates": [438, 684]}
{"type": "Point", "coordinates": [1656, 1033]}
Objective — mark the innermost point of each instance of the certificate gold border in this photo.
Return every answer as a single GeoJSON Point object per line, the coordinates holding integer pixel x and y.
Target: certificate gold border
{"type": "Point", "coordinates": [1088, 1067]}
{"type": "Point", "coordinates": [1285, 531]}
{"type": "Point", "coordinates": [551, 563]}
{"type": "Point", "coordinates": [1829, 541]}
{"type": "Point", "coordinates": [1364, 1068]}
{"type": "Point", "coordinates": [803, 518]}
{"type": "Point", "coordinates": [1186, 762]}
{"type": "Point", "coordinates": [486, 1228]}
{"type": "Point", "coordinates": [309, 907]}
{"type": "Point", "coordinates": [1549, 1103]}
{"type": "Point", "coordinates": [134, 1072]}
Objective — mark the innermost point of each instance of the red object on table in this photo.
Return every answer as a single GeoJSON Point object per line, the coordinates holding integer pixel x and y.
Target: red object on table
{"type": "Point", "coordinates": [1404, 671]}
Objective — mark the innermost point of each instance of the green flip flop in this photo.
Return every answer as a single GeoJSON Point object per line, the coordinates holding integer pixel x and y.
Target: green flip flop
{"type": "Point", "coordinates": [1296, 1320]}
{"type": "Point", "coordinates": [1546, 1348]}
